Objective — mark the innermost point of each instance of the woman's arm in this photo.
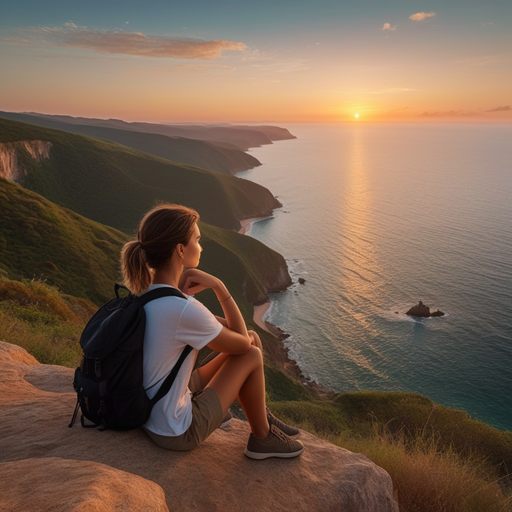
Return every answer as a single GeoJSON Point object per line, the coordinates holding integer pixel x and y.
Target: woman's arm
{"type": "Point", "coordinates": [233, 338]}
{"type": "Point", "coordinates": [221, 320]}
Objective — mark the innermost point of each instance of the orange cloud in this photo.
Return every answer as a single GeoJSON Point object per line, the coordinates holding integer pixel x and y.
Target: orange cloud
{"type": "Point", "coordinates": [448, 113]}
{"type": "Point", "coordinates": [504, 108]}
{"type": "Point", "coordinates": [133, 43]}
{"type": "Point", "coordinates": [387, 26]}
{"type": "Point", "coordinates": [420, 16]}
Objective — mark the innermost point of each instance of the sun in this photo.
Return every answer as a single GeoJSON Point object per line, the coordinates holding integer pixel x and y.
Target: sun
{"type": "Point", "coordinates": [356, 116]}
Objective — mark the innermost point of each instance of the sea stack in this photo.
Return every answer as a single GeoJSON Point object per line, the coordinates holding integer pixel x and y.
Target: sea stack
{"type": "Point", "coordinates": [422, 311]}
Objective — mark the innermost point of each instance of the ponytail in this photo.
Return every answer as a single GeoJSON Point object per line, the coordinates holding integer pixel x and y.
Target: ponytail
{"type": "Point", "coordinates": [136, 274]}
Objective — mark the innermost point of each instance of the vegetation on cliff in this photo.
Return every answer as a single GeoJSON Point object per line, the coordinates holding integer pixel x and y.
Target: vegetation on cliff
{"type": "Point", "coordinates": [204, 154]}
{"type": "Point", "coordinates": [39, 238]}
{"type": "Point", "coordinates": [113, 184]}
{"type": "Point", "coordinates": [81, 257]}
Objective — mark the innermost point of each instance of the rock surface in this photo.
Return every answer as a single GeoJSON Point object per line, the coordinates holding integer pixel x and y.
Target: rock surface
{"type": "Point", "coordinates": [38, 452]}
{"type": "Point", "coordinates": [422, 311]}
{"type": "Point", "coordinates": [63, 485]}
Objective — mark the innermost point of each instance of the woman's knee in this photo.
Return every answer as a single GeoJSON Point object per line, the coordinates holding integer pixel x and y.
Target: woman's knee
{"type": "Point", "coordinates": [255, 356]}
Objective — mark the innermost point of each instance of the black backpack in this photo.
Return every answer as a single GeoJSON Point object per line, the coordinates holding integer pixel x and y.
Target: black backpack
{"type": "Point", "coordinates": [108, 381]}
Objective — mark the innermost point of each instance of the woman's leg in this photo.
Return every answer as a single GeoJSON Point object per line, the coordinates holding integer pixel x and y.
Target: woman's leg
{"type": "Point", "coordinates": [207, 371]}
{"type": "Point", "coordinates": [242, 376]}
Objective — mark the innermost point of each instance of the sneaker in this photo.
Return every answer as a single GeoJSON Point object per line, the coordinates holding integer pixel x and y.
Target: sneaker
{"type": "Point", "coordinates": [290, 431]}
{"type": "Point", "coordinates": [276, 444]}
{"type": "Point", "coordinates": [226, 420]}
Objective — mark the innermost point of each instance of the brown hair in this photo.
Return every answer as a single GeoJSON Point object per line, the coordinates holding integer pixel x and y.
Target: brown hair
{"type": "Point", "coordinates": [160, 231]}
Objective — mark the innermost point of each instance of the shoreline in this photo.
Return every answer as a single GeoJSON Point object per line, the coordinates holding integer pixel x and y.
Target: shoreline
{"type": "Point", "coordinates": [259, 313]}
{"type": "Point", "coordinates": [281, 353]}
{"type": "Point", "coordinates": [246, 223]}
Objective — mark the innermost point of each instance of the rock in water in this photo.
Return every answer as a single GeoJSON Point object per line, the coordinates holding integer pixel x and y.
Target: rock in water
{"type": "Point", "coordinates": [422, 311]}
{"type": "Point", "coordinates": [302, 280]}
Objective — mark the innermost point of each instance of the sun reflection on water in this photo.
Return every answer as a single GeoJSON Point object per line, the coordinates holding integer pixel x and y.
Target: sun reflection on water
{"type": "Point", "coordinates": [360, 275]}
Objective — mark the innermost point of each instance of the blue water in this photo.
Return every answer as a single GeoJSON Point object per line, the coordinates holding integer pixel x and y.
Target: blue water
{"type": "Point", "coordinates": [376, 218]}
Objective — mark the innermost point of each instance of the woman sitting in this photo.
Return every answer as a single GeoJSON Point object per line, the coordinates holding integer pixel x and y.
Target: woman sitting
{"type": "Point", "coordinates": [167, 253]}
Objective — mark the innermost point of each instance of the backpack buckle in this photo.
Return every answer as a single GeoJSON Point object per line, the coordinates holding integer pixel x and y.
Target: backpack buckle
{"type": "Point", "coordinates": [97, 368]}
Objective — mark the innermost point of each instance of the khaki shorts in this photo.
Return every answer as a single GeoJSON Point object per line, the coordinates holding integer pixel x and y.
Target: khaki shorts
{"type": "Point", "coordinates": [207, 415]}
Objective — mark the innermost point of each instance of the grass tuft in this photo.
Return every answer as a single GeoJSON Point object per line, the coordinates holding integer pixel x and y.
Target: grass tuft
{"type": "Point", "coordinates": [44, 322]}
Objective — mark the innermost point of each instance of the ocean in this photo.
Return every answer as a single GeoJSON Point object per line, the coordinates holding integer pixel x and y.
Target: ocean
{"type": "Point", "coordinates": [376, 218]}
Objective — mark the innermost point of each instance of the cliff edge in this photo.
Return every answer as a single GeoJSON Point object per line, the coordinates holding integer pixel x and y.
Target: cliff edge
{"type": "Point", "coordinates": [44, 461]}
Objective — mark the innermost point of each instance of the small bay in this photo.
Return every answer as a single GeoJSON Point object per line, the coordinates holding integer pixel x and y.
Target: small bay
{"type": "Point", "coordinates": [376, 218]}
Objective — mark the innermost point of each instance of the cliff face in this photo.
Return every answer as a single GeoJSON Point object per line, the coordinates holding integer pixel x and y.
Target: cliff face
{"type": "Point", "coordinates": [43, 462]}
{"type": "Point", "coordinates": [11, 167]}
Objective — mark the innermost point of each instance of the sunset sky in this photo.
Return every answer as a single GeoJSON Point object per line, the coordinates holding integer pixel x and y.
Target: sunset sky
{"type": "Point", "coordinates": [265, 61]}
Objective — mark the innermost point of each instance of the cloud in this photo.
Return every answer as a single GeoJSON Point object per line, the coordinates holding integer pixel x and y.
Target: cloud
{"type": "Point", "coordinates": [15, 40]}
{"type": "Point", "coordinates": [387, 26]}
{"type": "Point", "coordinates": [504, 108]}
{"type": "Point", "coordinates": [133, 43]}
{"type": "Point", "coordinates": [448, 113]}
{"type": "Point", "coordinates": [420, 16]}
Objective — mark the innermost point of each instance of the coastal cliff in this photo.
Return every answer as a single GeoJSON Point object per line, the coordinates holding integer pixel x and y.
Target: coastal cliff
{"type": "Point", "coordinates": [11, 154]}
{"type": "Point", "coordinates": [115, 185]}
{"type": "Point", "coordinates": [200, 153]}
{"type": "Point", "coordinates": [37, 448]}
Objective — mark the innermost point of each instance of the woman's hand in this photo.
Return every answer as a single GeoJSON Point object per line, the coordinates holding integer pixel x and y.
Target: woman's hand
{"type": "Point", "coordinates": [193, 281]}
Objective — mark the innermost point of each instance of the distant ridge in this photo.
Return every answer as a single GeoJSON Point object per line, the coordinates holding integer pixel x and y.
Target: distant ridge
{"type": "Point", "coordinates": [115, 185]}
{"type": "Point", "coordinates": [242, 136]}
{"type": "Point", "coordinates": [200, 153]}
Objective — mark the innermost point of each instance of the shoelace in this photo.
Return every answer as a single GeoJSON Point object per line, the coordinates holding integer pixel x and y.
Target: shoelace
{"type": "Point", "coordinates": [280, 434]}
{"type": "Point", "coordinates": [276, 421]}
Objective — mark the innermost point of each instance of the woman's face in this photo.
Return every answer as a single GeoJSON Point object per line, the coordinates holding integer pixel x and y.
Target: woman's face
{"type": "Point", "coordinates": [192, 251]}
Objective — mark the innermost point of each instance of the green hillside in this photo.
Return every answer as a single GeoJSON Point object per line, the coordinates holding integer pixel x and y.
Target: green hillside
{"type": "Point", "coordinates": [114, 185]}
{"type": "Point", "coordinates": [40, 239]}
{"type": "Point", "coordinates": [81, 257]}
{"type": "Point", "coordinates": [189, 151]}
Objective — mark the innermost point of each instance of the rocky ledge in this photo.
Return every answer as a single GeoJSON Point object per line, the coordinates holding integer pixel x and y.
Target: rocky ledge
{"type": "Point", "coordinates": [46, 465]}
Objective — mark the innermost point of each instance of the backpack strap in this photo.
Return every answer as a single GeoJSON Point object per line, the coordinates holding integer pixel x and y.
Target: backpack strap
{"type": "Point", "coordinates": [157, 293]}
{"type": "Point", "coordinates": [167, 383]}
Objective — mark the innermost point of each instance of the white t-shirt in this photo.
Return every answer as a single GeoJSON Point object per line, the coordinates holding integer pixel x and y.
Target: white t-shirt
{"type": "Point", "coordinates": [172, 323]}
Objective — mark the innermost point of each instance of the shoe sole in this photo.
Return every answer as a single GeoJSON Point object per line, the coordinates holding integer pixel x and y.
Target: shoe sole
{"type": "Point", "coordinates": [279, 455]}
